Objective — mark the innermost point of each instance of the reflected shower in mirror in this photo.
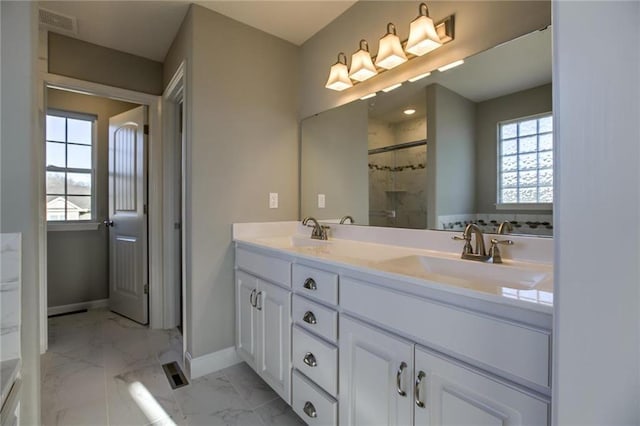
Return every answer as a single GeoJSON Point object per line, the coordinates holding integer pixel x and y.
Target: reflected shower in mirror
{"type": "Point", "coordinates": [471, 144]}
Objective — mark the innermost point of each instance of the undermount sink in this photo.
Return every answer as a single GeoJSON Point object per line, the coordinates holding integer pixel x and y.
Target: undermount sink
{"type": "Point", "coordinates": [294, 241]}
{"type": "Point", "coordinates": [470, 273]}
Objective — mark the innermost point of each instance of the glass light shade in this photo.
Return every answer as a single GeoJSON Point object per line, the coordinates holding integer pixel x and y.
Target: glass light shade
{"type": "Point", "coordinates": [362, 67]}
{"type": "Point", "coordinates": [390, 53]}
{"type": "Point", "coordinates": [339, 75]}
{"type": "Point", "coordinates": [423, 37]}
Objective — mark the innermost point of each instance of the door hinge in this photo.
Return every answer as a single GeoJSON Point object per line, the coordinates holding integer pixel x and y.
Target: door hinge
{"type": "Point", "coordinates": [144, 209]}
{"type": "Point", "coordinates": [146, 289]}
{"type": "Point", "coordinates": [177, 226]}
{"type": "Point", "coordinates": [146, 129]}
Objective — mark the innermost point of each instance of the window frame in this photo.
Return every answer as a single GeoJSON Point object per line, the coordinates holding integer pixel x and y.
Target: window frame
{"type": "Point", "coordinates": [79, 225]}
{"type": "Point", "coordinates": [519, 206]}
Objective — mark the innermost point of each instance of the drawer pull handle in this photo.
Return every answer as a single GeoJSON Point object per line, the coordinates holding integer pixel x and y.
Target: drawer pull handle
{"type": "Point", "coordinates": [401, 369]}
{"type": "Point", "coordinates": [310, 410]}
{"type": "Point", "coordinates": [310, 360]}
{"type": "Point", "coordinates": [258, 297]}
{"type": "Point", "coordinates": [251, 296]}
{"type": "Point", "coordinates": [310, 284]}
{"type": "Point", "coordinates": [419, 401]}
{"type": "Point", "coordinates": [309, 318]}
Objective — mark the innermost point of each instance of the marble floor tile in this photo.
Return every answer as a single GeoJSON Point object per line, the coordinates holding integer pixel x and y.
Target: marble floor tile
{"type": "Point", "coordinates": [249, 385]}
{"type": "Point", "coordinates": [278, 413]}
{"type": "Point", "coordinates": [103, 369]}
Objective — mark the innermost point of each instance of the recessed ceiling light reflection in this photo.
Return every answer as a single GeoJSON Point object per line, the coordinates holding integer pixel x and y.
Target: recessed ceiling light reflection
{"type": "Point", "coordinates": [409, 111]}
{"type": "Point", "coordinates": [369, 96]}
{"type": "Point", "coordinates": [451, 65]}
{"type": "Point", "coordinates": [390, 88]}
{"type": "Point", "coordinates": [420, 77]}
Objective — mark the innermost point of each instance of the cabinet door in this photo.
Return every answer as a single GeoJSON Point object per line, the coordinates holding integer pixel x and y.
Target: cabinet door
{"type": "Point", "coordinates": [447, 393]}
{"type": "Point", "coordinates": [246, 318]}
{"type": "Point", "coordinates": [376, 371]}
{"type": "Point", "coordinates": [274, 337]}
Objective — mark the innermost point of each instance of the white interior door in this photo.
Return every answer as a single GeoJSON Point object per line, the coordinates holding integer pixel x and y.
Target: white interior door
{"type": "Point", "coordinates": [128, 281]}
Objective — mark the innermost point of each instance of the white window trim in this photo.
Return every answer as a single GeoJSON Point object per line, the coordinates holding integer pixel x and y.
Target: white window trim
{"type": "Point", "coordinates": [84, 225]}
{"type": "Point", "coordinates": [72, 225]}
{"type": "Point", "coordinates": [517, 206]}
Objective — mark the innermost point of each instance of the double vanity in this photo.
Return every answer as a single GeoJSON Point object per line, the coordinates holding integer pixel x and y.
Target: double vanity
{"type": "Point", "coordinates": [381, 326]}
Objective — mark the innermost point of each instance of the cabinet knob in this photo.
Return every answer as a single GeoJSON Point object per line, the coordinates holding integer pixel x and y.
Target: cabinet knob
{"type": "Point", "coordinates": [310, 360]}
{"type": "Point", "coordinates": [310, 410]}
{"type": "Point", "coordinates": [310, 284]}
{"type": "Point", "coordinates": [403, 366]}
{"type": "Point", "coordinates": [309, 318]}
{"type": "Point", "coordinates": [419, 400]}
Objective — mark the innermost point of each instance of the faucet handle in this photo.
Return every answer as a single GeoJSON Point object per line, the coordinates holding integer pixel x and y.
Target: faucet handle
{"type": "Point", "coordinates": [494, 251]}
{"type": "Point", "coordinates": [495, 242]}
{"type": "Point", "coordinates": [467, 249]}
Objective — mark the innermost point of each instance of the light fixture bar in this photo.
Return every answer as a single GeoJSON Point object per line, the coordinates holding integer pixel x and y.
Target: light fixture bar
{"type": "Point", "coordinates": [419, 77]}
{"type": "Point", "coordinates": [451, 65]}
{"type": "Point", "coordinates": [390, 88]}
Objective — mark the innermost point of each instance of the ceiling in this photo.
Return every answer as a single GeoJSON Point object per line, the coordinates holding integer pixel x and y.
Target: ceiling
{"type": "Point", "coordinates": [147, 28]}
{"type": "Point", "coordinates": [520, 64]}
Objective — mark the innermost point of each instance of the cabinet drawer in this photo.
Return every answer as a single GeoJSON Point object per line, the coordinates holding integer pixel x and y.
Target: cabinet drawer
{"type": "Point", "coordinates": [317, 359]}
{"type": "Point", "coordinates": [267, 267]}
{"type": "Point", "coordinates": [315, 283]}
{"type": "Point", "coordinates": [313, 405]}
{"type": "Point", "coordinates": [517, 350]}
{"type": "Point", "coordinates": [316, 318]}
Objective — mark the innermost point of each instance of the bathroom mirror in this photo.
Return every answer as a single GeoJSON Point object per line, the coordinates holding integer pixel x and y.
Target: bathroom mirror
{"type": "Point", "coordinates": [427, 154]}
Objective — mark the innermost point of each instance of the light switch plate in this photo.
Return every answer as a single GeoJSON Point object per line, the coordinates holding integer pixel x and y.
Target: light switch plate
{"type": "Point", "coordinates": [321, 201]}
{"type": "Point", "coordinates": [273, 200]}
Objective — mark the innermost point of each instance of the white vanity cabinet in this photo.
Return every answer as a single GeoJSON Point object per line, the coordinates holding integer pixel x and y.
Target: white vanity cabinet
{"type": "Point", "coordinates": [263, 320]}
{"type": "Point", "coordinates": [385, 379]}
{"type": "Point", "coordinates": [349, 346]}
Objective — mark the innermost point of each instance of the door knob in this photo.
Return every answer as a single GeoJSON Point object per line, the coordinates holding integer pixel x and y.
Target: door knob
{"type": "Point", "coordinates": [108, 223]}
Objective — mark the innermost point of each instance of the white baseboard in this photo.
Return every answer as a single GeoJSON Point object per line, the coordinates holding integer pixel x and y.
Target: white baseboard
{"type": "Point", "coordinates": [63, 309]}
{"type": "Point", "coordinates": [210, 363]}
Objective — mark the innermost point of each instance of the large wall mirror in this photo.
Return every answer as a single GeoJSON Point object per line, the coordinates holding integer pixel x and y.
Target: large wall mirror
{"type": "Point", "coordinates": [471, 144]}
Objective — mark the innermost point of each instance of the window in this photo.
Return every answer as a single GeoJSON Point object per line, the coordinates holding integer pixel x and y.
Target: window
{"type": "Point", "coordinates": [70, 146]}
{"type": "Point", "coordinates": [525, 161]}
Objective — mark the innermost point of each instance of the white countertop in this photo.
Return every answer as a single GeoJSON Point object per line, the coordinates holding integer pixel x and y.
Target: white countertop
{"type": "Point", "coordinates": [491, 282]}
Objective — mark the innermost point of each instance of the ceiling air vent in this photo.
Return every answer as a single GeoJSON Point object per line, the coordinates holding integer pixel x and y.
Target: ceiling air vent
{"type": "Point", "coordinates": [57, 22]}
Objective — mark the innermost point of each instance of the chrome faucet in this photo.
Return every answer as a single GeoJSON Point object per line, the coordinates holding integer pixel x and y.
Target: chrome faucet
{"type": "Point", "coordinates": [345, 218]}
{"type": "Point", "coordinates": [505, 227]}
{"type": "Point", "coordinates": [480, 253]}
{"type": "Point", "coordinates": [319, 231]}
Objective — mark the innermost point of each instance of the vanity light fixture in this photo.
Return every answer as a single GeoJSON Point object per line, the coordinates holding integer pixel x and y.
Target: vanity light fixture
{"type": "Point", "coordinates": [362, 67]}
{"type": "Point", "coordinates": [419, 77]}
{"type": "Point", "coordinates": [369, 96]}
{"type": "Point", "coordinates": [390, 88]}
{"type": "Point", "coordinates": [409, 111]}
{"type": "Point", "coordinates": [423, 37]}
{"type": "Point", "coordinates": [390, 53]}
{"type": "Point", "coordinates": [339, 75]}
{"type": "Point", "coordinates": [451, 65]}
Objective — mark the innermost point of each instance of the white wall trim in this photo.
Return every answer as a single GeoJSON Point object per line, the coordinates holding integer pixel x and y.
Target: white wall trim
{"type": "Point", "coordinates": [154, 103]}
{"type": "Point", "coordinates": [210, 363]}
{"type": "Point", "coordinates": [92, 304]}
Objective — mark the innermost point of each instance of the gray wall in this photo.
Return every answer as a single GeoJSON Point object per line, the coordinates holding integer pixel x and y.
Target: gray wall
{"type": "Point", "coordinates": [243, 144]}
{"type": "Point", "coordinates": [596, 347]}
{"type": "Point", "coordinates": [78, 261]}
{"type": "Point", "coordinates": [479, 25]}
{"type": "Point", "coordinates": [334, 162]}
{"type": "Point", "coordinates": [86, 61]}
{"type": "Point", "coordinates": [450, 154]}
{"type": "Point", "coordinates": [488, 114]}
{"type": "Point", "coordinates": [20, 170]}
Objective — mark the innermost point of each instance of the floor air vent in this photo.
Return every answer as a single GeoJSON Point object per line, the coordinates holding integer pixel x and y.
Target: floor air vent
{"type": "Point", "coordinates": [174, 375]}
